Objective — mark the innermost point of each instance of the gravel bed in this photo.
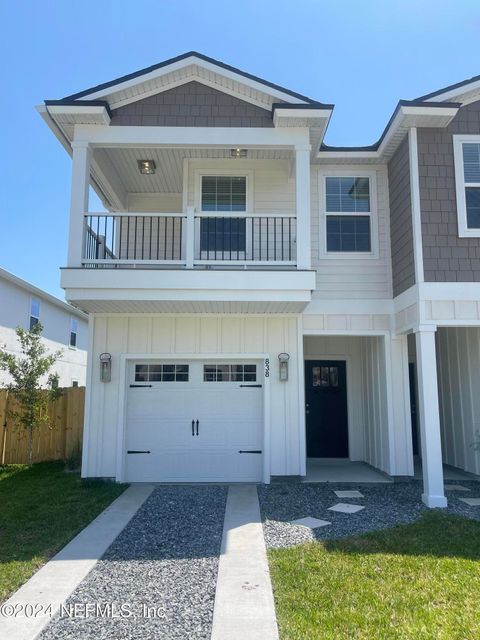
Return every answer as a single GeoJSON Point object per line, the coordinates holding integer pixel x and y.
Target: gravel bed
{"type": "Point", "coordinates": [165, 559]}
{"type": "Point", "coordinates": [386, 505]}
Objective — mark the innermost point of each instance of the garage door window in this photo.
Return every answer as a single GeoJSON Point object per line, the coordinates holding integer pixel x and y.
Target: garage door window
{"type": "Point", "coordinates": [230, 373]}
{"type": "Point", "coordinates": [161, 373]}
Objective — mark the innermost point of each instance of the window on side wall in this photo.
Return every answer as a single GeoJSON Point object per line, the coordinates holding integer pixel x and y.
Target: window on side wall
{"type": "Point", "coordinates": [34, 312]}
{"type": "Point", "coordinates": [467, 178]}
{"type": "Point", "coordinates": [73, 332]}
{"type": "Point", "coordinates": [348, 211]}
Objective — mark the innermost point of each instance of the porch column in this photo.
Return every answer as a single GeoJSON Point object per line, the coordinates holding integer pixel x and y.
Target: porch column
{"type": "Point", "coordinates": [433, 490]}
{"type": "Point", "coordinates": [78, 201]}
{"type": "Point", "coordinates": [302, 187]}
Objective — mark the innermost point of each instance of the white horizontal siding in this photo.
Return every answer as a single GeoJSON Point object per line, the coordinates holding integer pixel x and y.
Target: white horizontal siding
{"type": "Point", "coordinates": [365, 277]}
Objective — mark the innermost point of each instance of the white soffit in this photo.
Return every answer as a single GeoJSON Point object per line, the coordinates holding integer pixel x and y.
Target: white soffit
{"type": "Point", "coordinates": [408, 116]}
{"type": "Point", "coordinates": [81, 114]}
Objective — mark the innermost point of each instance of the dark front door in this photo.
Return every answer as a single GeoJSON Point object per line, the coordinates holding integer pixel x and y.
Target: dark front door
{"type": "Point", "coordinates": [326, 408]}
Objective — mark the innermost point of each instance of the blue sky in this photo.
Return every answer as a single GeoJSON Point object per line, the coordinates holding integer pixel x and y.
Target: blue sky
{"type": "Point", "coordinates": [361, 55]}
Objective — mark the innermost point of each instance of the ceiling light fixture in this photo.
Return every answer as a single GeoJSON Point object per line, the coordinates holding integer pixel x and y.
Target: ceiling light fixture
{"type": "Point", "coordinates": [238, 153]}
{"type": "Point", "coordinates": [147, 167]}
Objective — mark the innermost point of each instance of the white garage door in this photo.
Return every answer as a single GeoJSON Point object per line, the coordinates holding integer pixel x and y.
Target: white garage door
{"type": "Point", "coordinates": [194, 421]}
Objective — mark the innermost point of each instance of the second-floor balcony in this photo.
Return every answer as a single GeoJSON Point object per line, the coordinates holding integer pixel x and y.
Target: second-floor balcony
{"type": "Point", "coordinates": [204, 230]}
{"type": "Point", "coordinates": [191, 240]}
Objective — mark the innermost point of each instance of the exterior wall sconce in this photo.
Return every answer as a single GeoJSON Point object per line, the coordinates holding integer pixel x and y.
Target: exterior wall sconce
{"type": "Point", "coordinates": [283, 359]}
{"type": "Point", "coordinates": [105, 367]}
{"type": "Point", "coordinates": [238, 153]}
{"type": "Point", "coordinates": [147, 167]}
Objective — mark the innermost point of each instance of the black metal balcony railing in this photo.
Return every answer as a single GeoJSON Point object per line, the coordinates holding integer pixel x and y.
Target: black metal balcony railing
{"type": "Point", "coordinates": [156, 240]}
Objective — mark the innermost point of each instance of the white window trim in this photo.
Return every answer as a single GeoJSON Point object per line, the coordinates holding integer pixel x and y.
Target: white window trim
{"type": "Point", "coordinates": [30, 314]}
{"type": "Point", "coordinates": [239, 173]}
{"type": "Point", "coordinates": [463, 230]}
{"type": "Point", "coordinates": [71, 346]}
{"type": "Point", "coordinates": [373, 214]}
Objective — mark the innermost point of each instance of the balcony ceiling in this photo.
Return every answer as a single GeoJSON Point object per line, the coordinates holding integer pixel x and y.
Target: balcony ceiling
{"type": "Point", "coordinates": [168, 177]}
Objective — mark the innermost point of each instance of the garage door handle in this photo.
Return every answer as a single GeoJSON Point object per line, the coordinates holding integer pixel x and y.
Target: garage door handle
{"type": "Point", "coordinates": [258, 386]}
{"type": "Point", "coordinates": [193, 427]}
{"type": "Point", "coordinates": [138, 451]}
{"type": "Point", "coordinates": [197, 427]}
{"type": "Point", "coordinates": [251, 451]}
{"type": "Point", "coordinates": [140, 385]}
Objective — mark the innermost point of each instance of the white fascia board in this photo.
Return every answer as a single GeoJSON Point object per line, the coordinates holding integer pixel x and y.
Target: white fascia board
{"type": "Point", "coordinates": [221, 137]}
{"type": "Point", "coordinates": [175, 66]}
{"type": "Point", "coordinates": [81, 110]}
{"type": "Point", "coordinates": [153, 281]}
{"type": "Point", "coordinates": [450, 291]}
{"type": "Point", "coordinates": [407, 116]}
{"type": "Point", "coordinates": [285, 112]}
{"type": "Point", "coordinates": [456, 93]}
{"type": "Point", "coordinates": [53, 126]}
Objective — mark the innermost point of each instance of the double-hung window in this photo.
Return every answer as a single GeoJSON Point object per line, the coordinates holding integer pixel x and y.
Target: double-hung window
{"type": "Point", "coordinates": [226, 234]}
{"type": "Point", "coordinates": [467, 175]}
{"type": "Point", "coordinates": [348, 209]}
{"type": "Point", "coordinates": [34, 312]}
{"type": "Point", "coordinates": [73, 332]}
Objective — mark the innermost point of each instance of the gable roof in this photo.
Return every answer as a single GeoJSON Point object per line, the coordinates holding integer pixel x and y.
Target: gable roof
{"type": "Point", "coordinates": [450, 88]}
{"type": "Point", "coordinates": [185, 56]}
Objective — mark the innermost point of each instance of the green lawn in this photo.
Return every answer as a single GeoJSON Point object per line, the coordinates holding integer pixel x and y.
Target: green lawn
{"type": "Point", "coordinates": [41, 509]}
{"type": "Point", "coordinates": [418, 581]}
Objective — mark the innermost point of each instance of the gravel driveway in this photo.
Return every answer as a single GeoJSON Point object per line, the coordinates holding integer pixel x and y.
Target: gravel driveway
{"type": "Point", "coordinates": [166, 560]}
{"type": "Point", "coordinates": [386, 505]}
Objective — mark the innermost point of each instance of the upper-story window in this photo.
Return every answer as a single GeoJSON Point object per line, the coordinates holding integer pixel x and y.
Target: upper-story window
{"type": "Point", "coordinates": [467, 175]}
{"type": "Point", "coordinates": [34, 312]}
{"type": "Point", "coordinates": [347, 201]}
{"type": "Point", "coordinates": [223, 193]}
{"type": "Point", "coordinates": [73, 332]}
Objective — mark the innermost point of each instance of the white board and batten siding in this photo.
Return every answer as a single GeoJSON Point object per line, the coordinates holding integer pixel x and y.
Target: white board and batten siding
{"type": "Point", "coordinates": [458, 369]}
{"type": "Point", "coordinates": [369, 439]}
{"type": "Point", "coordinates": [200, 338]}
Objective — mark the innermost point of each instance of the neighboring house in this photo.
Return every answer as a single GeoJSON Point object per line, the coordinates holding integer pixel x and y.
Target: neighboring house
{"type": "Point", "coordinates": [65, 328]}
{"type": "Point", "coordinates": [234, 236]}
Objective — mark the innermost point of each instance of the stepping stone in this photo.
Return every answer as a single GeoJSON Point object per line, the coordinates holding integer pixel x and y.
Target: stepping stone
{"type": "Point", "coordinates": [348, 494]}
{"type": "Point", "coordinates": [343, 507]}
{"type": "Point", "coordinates": [472, 502]}
{"type": "Point", "coordinates": [310, 523]}
{"type": "Point", "coordinates": [455, 487]}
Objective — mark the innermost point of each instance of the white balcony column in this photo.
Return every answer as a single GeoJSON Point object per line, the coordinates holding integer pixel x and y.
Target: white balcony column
{"type": "Point", "coordinates": [302, 187]}
{"type": "Point", "coordinates": [433, 489]}
{"type": "Point", "coordinates": [190, 238]}
{"type": "Point", "coordinates": [78, 201]}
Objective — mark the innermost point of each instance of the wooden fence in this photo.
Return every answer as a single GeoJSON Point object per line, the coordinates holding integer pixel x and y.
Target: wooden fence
{"type": "Point", "coordinates": [58, 439]}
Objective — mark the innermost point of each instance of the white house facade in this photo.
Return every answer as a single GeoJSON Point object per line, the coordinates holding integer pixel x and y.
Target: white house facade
{"type": "Point", "coordinates": [65, 328]}
{"type": "Point", "coordinates": [257, 299]}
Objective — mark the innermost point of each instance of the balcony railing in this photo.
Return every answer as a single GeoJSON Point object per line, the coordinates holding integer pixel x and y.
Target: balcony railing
{"type": "Point", "coordinates": [160, 240]}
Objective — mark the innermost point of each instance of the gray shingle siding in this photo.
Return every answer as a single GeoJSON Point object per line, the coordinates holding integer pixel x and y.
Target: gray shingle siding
{"type": "Point", "coordinates": [446, 257]}
{"type": "Point", "coordinates": [401, 231]}
{"type": "Point", "coordinates": [192, 105]}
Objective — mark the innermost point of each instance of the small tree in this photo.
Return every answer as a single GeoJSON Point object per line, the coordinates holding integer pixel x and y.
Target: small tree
{"type": "Point", "coordinates": [27, 372]}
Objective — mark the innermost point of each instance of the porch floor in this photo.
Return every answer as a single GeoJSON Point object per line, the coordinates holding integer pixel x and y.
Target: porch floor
{"type": "Point", "coordinates": [449, 473]}
{"type": "Point", "coordinates": [342, 470]}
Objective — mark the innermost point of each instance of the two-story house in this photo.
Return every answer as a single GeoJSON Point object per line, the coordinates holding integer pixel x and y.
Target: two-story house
{"type": "Point", "coordinates": [65, 328]}
{"type": "Point", "coordinates": [257, 297]}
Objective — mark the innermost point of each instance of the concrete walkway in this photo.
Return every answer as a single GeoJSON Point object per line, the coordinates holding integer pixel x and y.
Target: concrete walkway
{"type": "Point", "coordinates": [56, 581]}
{"type": "Point", "coordinates": [244, 606]}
